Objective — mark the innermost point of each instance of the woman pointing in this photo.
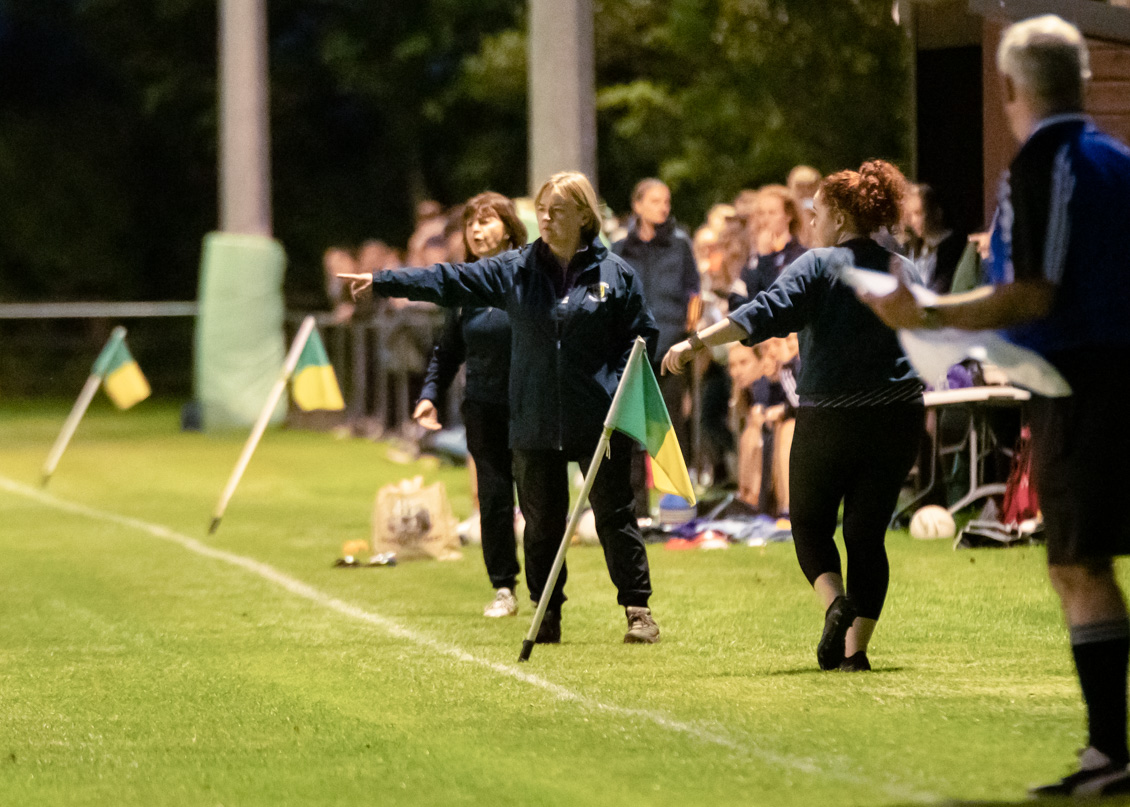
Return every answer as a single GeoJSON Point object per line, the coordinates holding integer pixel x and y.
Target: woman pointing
{"type": "Point", "coordinates": [575, 310]}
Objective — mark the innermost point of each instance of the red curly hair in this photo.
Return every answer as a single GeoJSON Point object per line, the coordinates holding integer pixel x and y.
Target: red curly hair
{"type": "Point", "coordinates": [871, 197]}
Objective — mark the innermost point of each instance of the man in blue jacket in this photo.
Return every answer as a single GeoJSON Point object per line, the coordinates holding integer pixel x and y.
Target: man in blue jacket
{"type": "Point", "coordinates": [1061, 274]}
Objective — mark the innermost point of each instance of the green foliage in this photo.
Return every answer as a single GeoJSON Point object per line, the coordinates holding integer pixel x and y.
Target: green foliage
{"type": "Point", "coordinates": [716, 95]}
{"type": "Point", "coordinates": [108, 121]}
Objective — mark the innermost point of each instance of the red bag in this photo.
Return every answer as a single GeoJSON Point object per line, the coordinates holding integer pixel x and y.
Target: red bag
{"type": "Point", "coordinates": [1020, 501]}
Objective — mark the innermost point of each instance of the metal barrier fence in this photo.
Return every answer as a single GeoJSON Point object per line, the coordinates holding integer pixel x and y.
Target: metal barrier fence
{"type": "Point", "coordinates": [379, 360]}
{"type": "Point", "coordinates": [380, 363]}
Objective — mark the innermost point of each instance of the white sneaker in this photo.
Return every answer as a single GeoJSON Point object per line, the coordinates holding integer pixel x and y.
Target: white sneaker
{"type": "Point", "coordinates": [503, 604]}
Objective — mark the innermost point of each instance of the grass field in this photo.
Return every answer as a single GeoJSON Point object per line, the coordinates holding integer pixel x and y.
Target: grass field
{"type": "Point", "coordinates": [146, 663]}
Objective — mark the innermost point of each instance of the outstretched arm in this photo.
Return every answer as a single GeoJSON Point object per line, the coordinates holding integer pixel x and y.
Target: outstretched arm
{"type": "Point", "coordinates": [989, 307]}
{"type": "Point", "coordinates": [717, 334]}
{"type": "Point", "coordinates": [484, 282]}
{"type": "Point", "coordinates": [782, 309]}
{"type": "Point", "coordinates": [357, 282]}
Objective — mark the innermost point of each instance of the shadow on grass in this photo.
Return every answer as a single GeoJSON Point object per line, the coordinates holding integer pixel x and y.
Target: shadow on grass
{"type": "Point", "coordinates": [1045, 802]}
{"type": "Point", "coordinates": [816, 671]}
{"type": "Point", "coordinates": [1058, 801]}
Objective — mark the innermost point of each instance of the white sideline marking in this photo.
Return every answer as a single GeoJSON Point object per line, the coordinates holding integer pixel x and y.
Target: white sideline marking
{"type": "Point", "coordinates": [395, 629]}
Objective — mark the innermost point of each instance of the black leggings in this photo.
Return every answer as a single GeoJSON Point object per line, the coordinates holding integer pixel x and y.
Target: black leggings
{"type": "Point", "coordinates": [860, 457]}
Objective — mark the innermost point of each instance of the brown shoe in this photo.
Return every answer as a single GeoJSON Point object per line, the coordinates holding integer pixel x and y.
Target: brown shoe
{"type": "Point", "coordinates": [641, 626]}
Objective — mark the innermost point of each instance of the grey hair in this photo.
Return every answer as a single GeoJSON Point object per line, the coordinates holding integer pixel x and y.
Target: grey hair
{"type": "Point", "coordinates": [1048, 56]}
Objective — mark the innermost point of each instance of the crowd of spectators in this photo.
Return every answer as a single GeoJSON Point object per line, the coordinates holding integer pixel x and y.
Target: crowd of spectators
{"type": "Point", "coordinates": [735, 414]}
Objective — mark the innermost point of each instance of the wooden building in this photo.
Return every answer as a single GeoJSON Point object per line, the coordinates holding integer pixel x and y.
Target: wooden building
{"type": "Point", "coordinates": [962, 141]}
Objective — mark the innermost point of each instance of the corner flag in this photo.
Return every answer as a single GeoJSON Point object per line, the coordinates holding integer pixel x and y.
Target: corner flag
{"type": "Point", "coordinates": [315, 387]}
{"type": "Point", "coordinates": [121, 377]}
{"type": "Point", "coordinates": [638, 411]}
{"type": "Point", "coordinates": [114, 369]}
{"type": "Point", "coordinates": [313, 383]}
{"type": "Point", "coordinates": [643, 416]}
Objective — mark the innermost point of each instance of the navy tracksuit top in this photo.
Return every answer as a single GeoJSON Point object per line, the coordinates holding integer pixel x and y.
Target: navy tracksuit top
{"type": "Point", "coordinates": [571, 332]}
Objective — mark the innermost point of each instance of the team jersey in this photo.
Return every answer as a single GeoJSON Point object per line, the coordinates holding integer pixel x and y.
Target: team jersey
{"type": "Point", "coordinates": [1063, 215]}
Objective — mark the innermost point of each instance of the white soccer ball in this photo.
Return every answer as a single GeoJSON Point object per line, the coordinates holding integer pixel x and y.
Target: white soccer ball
{"type": "Point", "coordinates": [932, 521]}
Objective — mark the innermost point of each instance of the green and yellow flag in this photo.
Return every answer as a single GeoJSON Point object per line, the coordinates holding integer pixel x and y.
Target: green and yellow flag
{"type": "Point", "coordinates": [121, 377]}
{"type": "Point", "coordinates": [313, 383]}
{"type": "Point", "coordinates": [643, 416]}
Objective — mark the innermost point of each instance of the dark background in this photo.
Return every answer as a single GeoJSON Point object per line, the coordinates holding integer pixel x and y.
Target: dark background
{"type": "Point", "coordinates": [108, 134]}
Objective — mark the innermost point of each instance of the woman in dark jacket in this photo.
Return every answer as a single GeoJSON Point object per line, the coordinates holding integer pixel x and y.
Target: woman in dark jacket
{"type": "Point", "coordinates": [861, 412]}
{"type": "Point", "coordinates": [480, 336]}
{"type": "Point", "coordinates": [575, 311]}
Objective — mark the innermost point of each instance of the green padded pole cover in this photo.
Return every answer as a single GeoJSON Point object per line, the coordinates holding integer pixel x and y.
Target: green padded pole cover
{"type": "Point", "coordinates": [240, 344]}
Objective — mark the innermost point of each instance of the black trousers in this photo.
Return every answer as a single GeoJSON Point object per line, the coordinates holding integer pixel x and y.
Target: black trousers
{"type": "Point", "coordinates": [859, 457]}
{"type": "Point", "coordinates": [543, 494]}
{"type": "Point", "coordinates": [488, 440]}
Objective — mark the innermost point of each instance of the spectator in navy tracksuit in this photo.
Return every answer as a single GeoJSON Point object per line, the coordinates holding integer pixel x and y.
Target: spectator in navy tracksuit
{"type": "Point", "coordinates": [575, 312]}
{"type": "Point", "coordinates": [480, 336]}
{"type": "Point", "coordinates": [661, 254]}
{"type": "Point", "coordinates": [861, 410]}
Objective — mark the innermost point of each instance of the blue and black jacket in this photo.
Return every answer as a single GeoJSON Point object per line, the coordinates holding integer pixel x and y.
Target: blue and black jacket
{"type": "Point", "coordinates": [1062, 215]}
{"type": "Point", "coordinates": [572, 331]}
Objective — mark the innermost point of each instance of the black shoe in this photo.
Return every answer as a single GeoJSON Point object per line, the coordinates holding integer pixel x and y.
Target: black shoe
{"type": "Point", "coordinates": [1097, 776]}
{"type": "Point", "coordinates": [856, 663]}
{"type": "Point", "coordinates": [549, 632]}
{"type": "Point", "coordinates": [837, 620]}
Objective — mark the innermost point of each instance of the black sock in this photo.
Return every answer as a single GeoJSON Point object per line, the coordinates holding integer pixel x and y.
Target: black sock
{"type": "Point", "coordinates": [1102, 650]}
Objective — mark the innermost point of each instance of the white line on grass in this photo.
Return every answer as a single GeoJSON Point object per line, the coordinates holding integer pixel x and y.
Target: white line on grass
{"type": "Point", "coordinates": [395, 629]}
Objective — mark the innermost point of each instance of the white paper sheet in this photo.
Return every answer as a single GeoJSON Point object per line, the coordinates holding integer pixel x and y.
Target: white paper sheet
{"type": "Point", "coordinates": [933, 352]}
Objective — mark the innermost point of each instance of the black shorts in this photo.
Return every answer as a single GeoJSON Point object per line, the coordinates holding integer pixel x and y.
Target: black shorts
{"type": "Point", "coordinates": [1081, 459]}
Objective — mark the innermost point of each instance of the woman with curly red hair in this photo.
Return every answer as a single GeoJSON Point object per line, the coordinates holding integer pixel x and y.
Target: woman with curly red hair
{"type": "Point", "coordinates": [861, 412]}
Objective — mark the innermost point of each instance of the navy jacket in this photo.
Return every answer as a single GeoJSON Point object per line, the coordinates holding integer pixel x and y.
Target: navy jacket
{"type": "Point", "coordinates": [844, 347]}
{"type": "Point", "coordinates": [769, 267]}
{"type": "Point", "coordinates": [571, 333]}
{"type": "Point", "coordinates": [479, 335]}
{"type": "Point", "coordinates": [669, 273]}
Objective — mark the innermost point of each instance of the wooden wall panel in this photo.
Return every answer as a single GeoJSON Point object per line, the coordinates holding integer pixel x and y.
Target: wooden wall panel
{"type": "Point", "coordinates": [1107, 100]}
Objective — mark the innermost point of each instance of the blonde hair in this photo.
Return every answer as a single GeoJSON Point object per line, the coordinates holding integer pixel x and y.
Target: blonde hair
{"type": "Point", "coordinates": [1049, 56]}
{"type": "Point", "coordinates": [575, 186]}
{"type": "Point", "coordinates": [788, 202]}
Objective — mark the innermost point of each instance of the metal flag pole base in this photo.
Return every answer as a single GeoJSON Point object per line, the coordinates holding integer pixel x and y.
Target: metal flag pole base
{"type": "Point", "coordinates": [527, 648]}
{"type": "Point", "coordinates": [559, 561]}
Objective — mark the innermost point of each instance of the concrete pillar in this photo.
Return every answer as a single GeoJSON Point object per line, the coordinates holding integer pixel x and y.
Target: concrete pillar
{"type": "Point", "coordinates": [245, 154]}
{"type": "Point", "coordinates": [562, 89]}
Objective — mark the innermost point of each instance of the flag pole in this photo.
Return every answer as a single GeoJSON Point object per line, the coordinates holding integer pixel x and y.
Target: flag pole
{"type": "Point", "coordinates": [264, 417]}
{"type": "Point", "coordinates": [77, 411]}
{"type": "Point", "coordinates": [638, 350]}
{"type": "Point", "coordinates": [89, 389]}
